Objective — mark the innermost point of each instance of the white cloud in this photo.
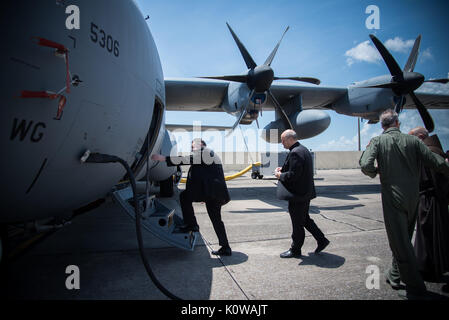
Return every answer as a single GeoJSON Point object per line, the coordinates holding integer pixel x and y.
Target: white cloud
{"type": "Point", "coordinates": [362, 52]}
{"type": "Point", "coordinates": [436, 88]}
{"type": "Point", "coordinates": [340, 144]}
{"type": "Point", "coordinates": [367, 132]}
{"type": "Point", "coordinates": [366, 52]}
{"type": "Point", "coordinates": [399, 45]}
{"type": "Point", "coordinates": [426, 55]}
{"type": "Point", "coordinates": [409, 119]}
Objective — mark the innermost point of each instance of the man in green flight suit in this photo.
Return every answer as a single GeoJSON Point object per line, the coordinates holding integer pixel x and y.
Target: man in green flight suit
{"type": "Point", "coordinates": [399, 157]}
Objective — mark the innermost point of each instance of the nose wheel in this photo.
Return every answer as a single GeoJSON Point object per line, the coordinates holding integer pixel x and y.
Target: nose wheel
{"type": "Point", "coordinates": [256, 175]}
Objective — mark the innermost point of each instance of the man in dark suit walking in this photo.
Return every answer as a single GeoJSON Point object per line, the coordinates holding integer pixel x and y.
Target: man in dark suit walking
{"type": "Point", "coordinates": [296, 175]}
{"type": "Point", "coordinates": [205, 183]}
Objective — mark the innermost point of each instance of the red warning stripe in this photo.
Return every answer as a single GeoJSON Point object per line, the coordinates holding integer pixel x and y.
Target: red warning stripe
{"type": "Point", "coordinates": [51, 44]}
{"type": "Point", "coordinates": [47, 95]}
{"type": "Point", "coordinates": [38, 94]}
{"type": "Point", "coordinates": [61, 49]}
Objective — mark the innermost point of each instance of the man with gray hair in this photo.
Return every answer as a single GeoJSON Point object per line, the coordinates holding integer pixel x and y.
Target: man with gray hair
{"type": "Point", "coordinates": [399, 158]}
{"type": "Point", "coordinates": [388, 119]}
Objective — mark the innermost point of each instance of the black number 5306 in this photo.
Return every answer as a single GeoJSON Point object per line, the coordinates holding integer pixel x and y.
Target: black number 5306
{"type": "Point", "coordinates": [104, 40]}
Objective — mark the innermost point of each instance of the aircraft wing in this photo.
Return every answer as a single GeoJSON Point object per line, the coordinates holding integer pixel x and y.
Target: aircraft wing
{"type": "Point", "coordinates": [208, 95]}
{"type": "Point", "coordinates": [313, 97]}
{"type": "Point", "coordinates": [190, 128]}
{"type": "Point", "coordinates": [430, 100]}
{"type": "Point", "coordinates": [194, 94]}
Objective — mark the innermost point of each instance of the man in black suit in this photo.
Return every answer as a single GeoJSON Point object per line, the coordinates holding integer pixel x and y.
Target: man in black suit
{"type": "Point", "coordinates": [205, 183]}
{"type": "Point", "coordinates": [297, 177]}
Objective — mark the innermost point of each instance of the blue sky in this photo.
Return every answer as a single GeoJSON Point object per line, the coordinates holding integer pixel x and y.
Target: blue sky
{"type": "Point", "coordinates": [327, 40]}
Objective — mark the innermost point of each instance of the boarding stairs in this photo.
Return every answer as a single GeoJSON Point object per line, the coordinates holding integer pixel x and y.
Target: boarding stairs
{"type": "Point", "coordinates": [157, 218]}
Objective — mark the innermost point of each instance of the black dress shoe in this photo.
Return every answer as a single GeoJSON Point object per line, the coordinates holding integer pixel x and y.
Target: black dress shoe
{"type": "Point", "coordinates": [406, 295]}
{"type": "Point", "coordinates": [187, 228]}
{"type": "Point", "coordinates": [322, 245]}
{"type": "Point", "coordinates": [445, 288]}
{"type": "Point", "coordinates": [223, 251]}
{"type": "Point", "coordinates": [395, 285]}
{"type": "Point", "coordinates": [291, 253]}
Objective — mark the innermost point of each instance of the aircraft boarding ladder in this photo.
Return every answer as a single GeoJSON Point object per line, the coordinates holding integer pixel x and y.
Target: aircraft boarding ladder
{"type": "Point", "coordinates": [161, 221]}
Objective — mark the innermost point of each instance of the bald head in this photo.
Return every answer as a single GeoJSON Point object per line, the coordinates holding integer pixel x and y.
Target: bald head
{"type": "Point", "coordinates": [289, 138]}
{"type": "Point", "coordinates": [420, 132]}
{"type": "Point", "coordinates": [197, 144]}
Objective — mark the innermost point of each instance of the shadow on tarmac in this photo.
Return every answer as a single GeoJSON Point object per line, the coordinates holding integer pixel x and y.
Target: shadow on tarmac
{"type": "Point", "coordinates": [317, 209]}
{"type": "Point", "coordinates": [343, 192]}
{"type": "Point", "coordinates": [322, 260]}
{"type": "Point", "coordinates": [236, 258]}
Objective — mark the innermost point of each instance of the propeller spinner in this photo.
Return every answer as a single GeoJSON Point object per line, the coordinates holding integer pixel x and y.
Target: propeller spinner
{"type": "Point", "coordinates": [259, 78]}
{"type": "Point", "coordinates": [405, 81]}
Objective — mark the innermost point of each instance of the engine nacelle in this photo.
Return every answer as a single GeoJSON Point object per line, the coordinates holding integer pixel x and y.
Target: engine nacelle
{"type": "Point", "coordinates": [307, 124]}
{"type": "Point", "coordinates": [236, 98]}
{"type": "Point", "coordinates": [366, 103]}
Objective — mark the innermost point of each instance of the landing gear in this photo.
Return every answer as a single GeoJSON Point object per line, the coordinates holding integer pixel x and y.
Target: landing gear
{"type": "Point", "coordinates": [256, 175]}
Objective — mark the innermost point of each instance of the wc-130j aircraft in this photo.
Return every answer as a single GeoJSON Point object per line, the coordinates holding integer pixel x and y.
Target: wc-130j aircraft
{"type": "Point", "coordinates": [101, 88]}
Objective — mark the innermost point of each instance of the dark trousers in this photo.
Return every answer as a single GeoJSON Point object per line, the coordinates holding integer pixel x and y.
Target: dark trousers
{"type": "Point", "coordinates": [299, 214]}
{"type": "Point", "coordinates": [213, 210]}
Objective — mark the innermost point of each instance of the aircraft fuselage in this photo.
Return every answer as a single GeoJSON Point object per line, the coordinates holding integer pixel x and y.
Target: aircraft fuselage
{"type": "Point", "coordinates": [116, 84]}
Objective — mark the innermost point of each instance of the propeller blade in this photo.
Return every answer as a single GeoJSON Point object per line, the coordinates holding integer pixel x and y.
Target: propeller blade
{"type": "Point", "coordinates": [444, 81]}
{"type": "Point", "coordinates": [427, 119]}
{"type": "Point", "coordinates": [302, 79]}
{"type": "Point", "coordinates": [273, 53]}
{"type": "Point", "coordinates": [242, 114]}
{"type": "Point", "coordinates": [244, 140]}
{"type": "Point", "coordinates": [389, 85]}
{"type": "Point", "coordinates": [279, 108]}
{"type": "Point", "coordinates": [392, 65]}
{"type": "Point", "coordinates": [411, 62]}
{"type": "Point", "coordinates": [236, 124]}
{"type": "Point", "coordinates": [399, 104]}
{"type": "Point", "coordinates": [257, 123]}
{"type": "Point", "coordinates": [235, 78]}
{"type": "Point", "coordinates": [245, 54]}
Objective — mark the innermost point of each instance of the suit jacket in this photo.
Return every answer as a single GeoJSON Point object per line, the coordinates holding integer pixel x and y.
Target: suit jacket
{"type": "Point", "coordinates": [297, 173]}
{"type": "Point", "coordinates": [205, 178]}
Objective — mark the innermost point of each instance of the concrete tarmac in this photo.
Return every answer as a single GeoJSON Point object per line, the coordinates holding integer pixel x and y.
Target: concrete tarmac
{"type": "Point", "coordinates": [102, 244]}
